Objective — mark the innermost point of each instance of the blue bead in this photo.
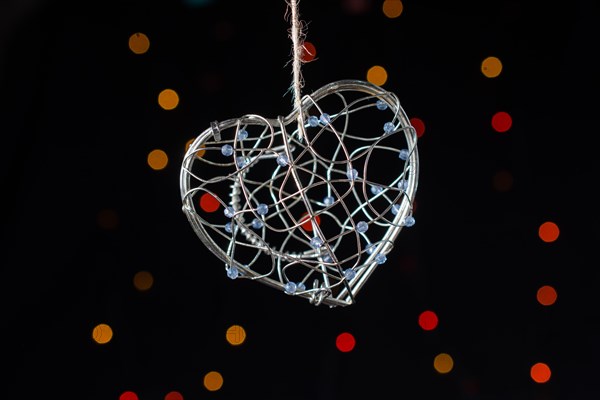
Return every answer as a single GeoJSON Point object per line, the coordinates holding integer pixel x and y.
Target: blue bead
{"type": "Point", "coordinates": [257, 223]}
{"type": "Point", "coordinates": [229, 212]}
{"type": "Point", "coordinates": [233, 272]}
{"type": "Point", "coordinates": [282, 160]}
{"type": "Point", "coordinates": [381, 105]}
{"type": "Point", "coordinates": [262, 209]}
{"type": "Point", "coordinates": [227, 150]}
{"type": "Point", "coordinates": [403, 154]}
{"type": "Point", "coordinates": [376, 189]}
{"type": "Point", "coordinates": [325, 118]}
{"type": "Point", "coordinates": [242, 135]}
{"type": "Point", "coordinates": [403, 184]}
{"type": "Point", "coordinates": [395, 209]}
{"type": "Point", "coordinates": [241, 161]}
{"type": "Point", "coordinates": [313, 121]}
{"type": "Point", "coordinates": [349, 274]}
{"type": "Point", "coordinates": [362, 227]}
{"type": "Point", "coordinates": [316, 242]}
{"type": "Point", "coordinates": [228, 227]}
{"type": "Point", "coordinates": [370, 248]}
{"type": "Point", "coordinates": [409, 221]}
{"type": "Point", "coordinates": [300, 286]}
{"type": "Point", "coordinates": [388, 127]}
{"type": "Point", "coordinates": [352, 174]}
{"type": "Point", "coordinates": [328, 200]}
{"type": "Point", "coordinates": [290, 287]}
{"type": "Point", "coordinates": [380, 258]}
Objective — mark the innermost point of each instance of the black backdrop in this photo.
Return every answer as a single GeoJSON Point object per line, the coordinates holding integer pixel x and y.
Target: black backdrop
{"type": "Point", "coordinates": [79, 116]}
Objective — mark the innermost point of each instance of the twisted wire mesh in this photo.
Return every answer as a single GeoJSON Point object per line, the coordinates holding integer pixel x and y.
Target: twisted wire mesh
{"type": "Point", "coordinates": [311, 209]}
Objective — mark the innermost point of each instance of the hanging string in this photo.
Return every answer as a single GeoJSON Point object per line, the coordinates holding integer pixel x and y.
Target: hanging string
{"type": "Point", "coordinates": [297, 36]}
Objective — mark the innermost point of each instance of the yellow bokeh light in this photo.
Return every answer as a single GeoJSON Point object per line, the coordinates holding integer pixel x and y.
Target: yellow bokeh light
{"type": "Point", "coordinates": [102, 333]}
{"type": "Point", "coordinates": [392, 8]}
{"type": "Point", "coordinates": [443, 363]}
{"type": "Point", "coordinates": [235, 335]}
{"type": "Point", "coordinates": [213, 381]}
{"type": "Point", "coordinates": [491, 67]}
{"type": "Point", "coordinates": [168, 99]}
{"type": "Point", "coordinates": [143, 280]}
{"type": "Point", "coordinates": [139, 43]}
{"type": "Point", "coordinates": [157, 159]}
{"type": "Point", "coordinates": [377, 75]}
{"type": "Point", "coordinates": [200, 153]}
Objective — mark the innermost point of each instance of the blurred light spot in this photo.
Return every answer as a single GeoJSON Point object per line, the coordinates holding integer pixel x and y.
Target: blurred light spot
{"type": "Point", "coordinates": [540, 372]}
{"type": "Point", "coordinates": [157, 159]}
{"type": "Point", "coordinates": [377, 75]}
{"type": "Point", "coordinates": [235, 335]}
{"type": "Point", "coordinates": [143, 280]}
{"type": "Point", "coordinates": [345, 342]}
{"type": "Point", "coordinates": [174, 396]}
{"type": "Point", "coordinates": [197, 3]}
{"type": "Point", "coordinates": [546, 295]}
{"type": "Point", "coordinates": [443, 363]}
{"type": "Point", "coordinates": [501, 121]}
{"type": "Point", "coordinates": [306, 222]}
{"type": "Point", "coordinates": [200, 153]}
{"type": "Point", "coordinates": [491, 67]}
{"type": "Point", "coordinates": [168, 99]}
{"type": "Point", "coordinates": [107, 219]}
{"type": "Point", "coordinates": [309, 52]}
{"type": "Point", "coordinates": [502, 181]}
{"type": "Point", "coordinates": [139, 43]}
{"type": "Point", "coordinates": [392, 8]}
{"type": "Point", "coordinates": [213, 381]}
{"type": "Point", "coordinates": [356, 6]}
{"type": "Point", "coordinates": [102, 334]}
{"type": "Point", "coordinates": [548, 232]}
{"type": "Point", "coordinates": [419, 126]}
{"type": "Point", "coordinates": [209, 203]}
{"type": "Point", "coordinates": [128, 395]}
{"type": "Point", "coordinates": [428, 320]}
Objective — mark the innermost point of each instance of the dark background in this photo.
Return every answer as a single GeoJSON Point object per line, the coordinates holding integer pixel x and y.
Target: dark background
{"type": "Point", "coordinates": [79, 115]}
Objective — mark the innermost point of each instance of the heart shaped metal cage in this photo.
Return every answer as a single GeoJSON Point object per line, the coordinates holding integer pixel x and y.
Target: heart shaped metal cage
{"type": "Point", "coordinates": [312, 204]}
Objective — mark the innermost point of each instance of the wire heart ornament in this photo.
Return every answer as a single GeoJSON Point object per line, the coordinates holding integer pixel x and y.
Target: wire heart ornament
{"type": "Point", "coordinates": [311, 203]}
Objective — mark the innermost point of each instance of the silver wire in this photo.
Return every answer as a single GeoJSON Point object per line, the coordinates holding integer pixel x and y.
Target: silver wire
{"type": "Point", "coordinates": [301, 196]}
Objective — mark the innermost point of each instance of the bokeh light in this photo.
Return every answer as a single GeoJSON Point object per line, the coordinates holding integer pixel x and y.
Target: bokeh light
{"type": "Point", "coordinates": [491, 67]}
{"type": "Point", "coordinates": [419, 126]}
{"type": "Point", "coordinates": [213, 381]}
{"type": "Point", "coordinates": [309, 51]}
{"type": "Point", "coordinates": [546, 295]}
{"type": "Point", "coordinates": [501, 121]}
{"type": "Point", "coordinates": [548, 232]}
{"type": "Point", "coordinates": [345, 342]}
{"type": "Point", "coordinates": [157, 159]}
{"type": "Point", "coordinates": [209, 203]}
{"type": "Point", "coordinates": [102, 333]}
{"type": "Point", "coordinates": [443, 363]}
{"type": "Point", "coordinates": [540, 372]}
{"type": "Point", "coordinates": [143, 281]}
{"type": "Point", "coordinates": [392, 8]}
{"type": "Point", "coordinates": [128, 395]}
{"type": "Point", "coordinates": [306, 222]}
{"type": "Point", "coordinates": [356, 6]}
{"type": "Point", "coordinates": [139, 43]}
{"type": "Point", "coordinates": [235, 335]}
{"type": "Point", "coordinates": [168, 99]}
{"type": "Point", "coordinates": [174, 395]}
{"type": "Point", "coordinates": [502, 181]}
{"type": "Point", "coordinates": [107, 219]}
{"type": "Point", "coordinates": [428, 320]}
{"type": "Point", "coordinates": [377, 75]}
